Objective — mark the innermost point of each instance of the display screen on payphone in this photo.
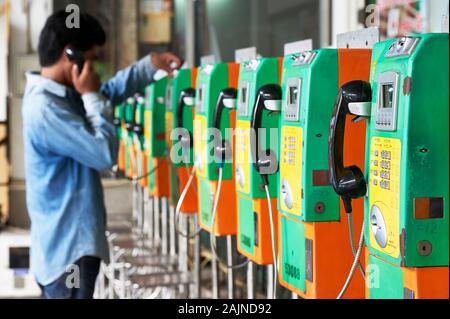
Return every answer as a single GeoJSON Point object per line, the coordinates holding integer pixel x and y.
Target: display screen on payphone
{"type": "Point", "coordinates": [387, 95]}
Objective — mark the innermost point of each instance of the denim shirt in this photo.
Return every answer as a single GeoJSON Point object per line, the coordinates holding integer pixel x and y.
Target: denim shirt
{"type": "Point", "coordinates": [68, 140]}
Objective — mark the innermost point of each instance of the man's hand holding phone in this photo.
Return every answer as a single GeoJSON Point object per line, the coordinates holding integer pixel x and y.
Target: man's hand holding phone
{"type": "Point", "coordinates": [86, 80]}
{"type": "Point", "coordinates": [168, 62]}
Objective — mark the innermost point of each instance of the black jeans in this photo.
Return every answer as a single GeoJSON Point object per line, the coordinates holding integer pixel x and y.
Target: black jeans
{"type": "Point", "coordinates": [64, 288]}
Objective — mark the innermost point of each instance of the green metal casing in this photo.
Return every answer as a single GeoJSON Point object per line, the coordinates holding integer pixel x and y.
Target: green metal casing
{"type": "Point", "coordinates": [254, 75]}
{"type": "Point", "coordinates": [119, 117]}
{"type": "Point", "coordinates": [174, 88]}
{"type": "Point", "coordinates": [155, 132]}
{"type": "Point", "coordinates": [258, 73]}
{"type": "Point", "coordinates": [318, 90]}
{"type": "Point", "coordinates": [182, 81]}
{"type": "Point", "coordinates": [128, 135]}
{"type": "Point", "coordinates": [385, 280]}
{"type": "Point", "coordinates": [139, 138]}
{"type": "Point", "coordinates": [211, 81]}
{"type": "Point", "coordinates": [422, 129]}
{"type": "Point", "coordinates": [156, 125]}
{"type": "Point", "coordinates": [317, 83]}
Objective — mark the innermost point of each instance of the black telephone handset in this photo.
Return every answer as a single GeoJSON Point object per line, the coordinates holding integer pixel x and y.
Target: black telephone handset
{"type": "Point", "coordinates": [76, 57]}
{"type": "Point", "coordinates": [225, 101]}
{"type": "Point", "coordinates": [348, 182]}
{"type": "Point", "coordinates": [268, 98]}
{"type": "Point", "coordinates": [187, 97]}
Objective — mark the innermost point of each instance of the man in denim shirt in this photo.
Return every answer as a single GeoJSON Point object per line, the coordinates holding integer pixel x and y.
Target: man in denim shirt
{"type": "Point", "coordinates": [69, 138]}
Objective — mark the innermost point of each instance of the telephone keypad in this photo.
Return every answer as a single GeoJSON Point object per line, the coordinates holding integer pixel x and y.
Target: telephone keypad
{"type": "Point", "coordinates": [289, 150]}
{"type": "Point", "coordinates": [382, 176]}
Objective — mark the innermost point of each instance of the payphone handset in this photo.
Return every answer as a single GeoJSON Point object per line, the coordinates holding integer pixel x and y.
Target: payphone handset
{"type": "Point", "coordinates": [269, 99]}
{"type": "Point", "coordinates": [347, 181]}
{"type": "Point", "coordinates": [227, 100]}
{"type": "Point", "coordinates": [187, 99]}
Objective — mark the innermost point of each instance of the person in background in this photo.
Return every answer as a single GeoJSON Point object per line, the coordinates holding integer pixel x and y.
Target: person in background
{"type": "Point", "coordinates": [69, 139]}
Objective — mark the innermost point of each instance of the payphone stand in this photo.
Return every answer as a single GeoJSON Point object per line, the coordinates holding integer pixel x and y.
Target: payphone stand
{"type": "Point", "coordinates": [406, 203]}
{"type": "Point", "coordinates": [215, 110]}
{"type": "Point", "coordinates": [256, 237]}
{"type": "Point", "coordinates": [316, 251]}
{"type": "Point", "coordinates": [180, 115]}
{"type": "Point", "coordinates": [158, 167]}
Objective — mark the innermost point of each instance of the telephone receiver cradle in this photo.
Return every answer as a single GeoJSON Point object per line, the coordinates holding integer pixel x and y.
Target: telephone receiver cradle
{"type": "Point", "coordinates": [354, 98]}
{"type": "Point", "coordinates": [268, 98]}
{"type": "Point", "coordinates": [187, 99]}
{"type": "Point", "coordinates": [227, 100]}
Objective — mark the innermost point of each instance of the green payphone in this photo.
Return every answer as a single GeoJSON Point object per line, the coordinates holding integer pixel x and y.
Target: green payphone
{"type": "Point", "coordinates": [128, 136]}
{"type": "Point", "coordinates": [307, 202]}
{"type": "Point", "coordinates": [259, 98]}
{"type": "Point", "coordinates": [179, 115]}
{"type": "Point", "coordinates": [155, 137]}
{"type": "Point", "coordinates": [216, 85]}
{"type": "Point", "coordinates": [118, 121]}
{"type": "Point", "coordinates": [406, 203]}
{"type": "Point", "coordinates": [140, 157]}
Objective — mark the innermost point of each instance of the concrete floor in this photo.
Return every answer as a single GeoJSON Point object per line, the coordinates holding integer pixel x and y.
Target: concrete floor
{"type": "Point", "coordinates": [118, 200]}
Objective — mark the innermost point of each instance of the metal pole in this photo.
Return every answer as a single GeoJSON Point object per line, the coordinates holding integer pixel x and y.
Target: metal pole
{"type": "Point", "coordinates": [250, 280]}
{"type": "Point", "coordinates": [190, 32]}
{"type": "Point", "coordinates": [183, 251]}
{"type": "Point", "coordinates": [141, 206]}
{"type": "Point", "coordinates": [197, 268]}
{"type": "Point", "coordinates": [230, 272]}
{"type": "Point", "coordinates": [215, 276]}
{"type": "Point", "coordinates": [173, 244]}
{"type": "Point", "coordinates": [157, 225]}
{"type": "Point", "coordinates": [135, 210]}
{"type": "Point", "coordinates": [146, 213]}
{"type": "Point", "coordinates": [164, 231]}
{"type": "Point", "coordinates": [325, 25]}
{"type": "Point", "coordinates": [270, 270]}
{"type": "Point", "coordinates": [151, 211]}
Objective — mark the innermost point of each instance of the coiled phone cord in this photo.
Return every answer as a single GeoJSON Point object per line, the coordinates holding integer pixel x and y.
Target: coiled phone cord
{"type": "Point", "coordinates": [352, 244]}
{"type": "Point", "coordinates": [180, 202]}
{"type": "Point", "coordinates": [212, 235]}
{"type": "Point", "coordinates": [355, 263]}
{"type": "Point", "coordinates": [274, 252]}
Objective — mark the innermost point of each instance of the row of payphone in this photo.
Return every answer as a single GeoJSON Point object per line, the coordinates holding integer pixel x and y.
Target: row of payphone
{"type": "Point", "coordinates": [311, 149]}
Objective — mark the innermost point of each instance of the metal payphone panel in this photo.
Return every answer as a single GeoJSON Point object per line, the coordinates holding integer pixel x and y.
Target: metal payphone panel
{"type": "Point", "coordinates": [244, 96]}
{"type": "Point", "coordinates": [384, 199]}
{"type": "Point", "coordinates": [406, 207]}
{"type": "Point", "coordinates": [387, 101]}
{"type": "Point", "coordinates": [293, 98]}
{"type": "Point", "coordinates": [254, 234]}
{"type": "Point", "coordinates": [212, 80]}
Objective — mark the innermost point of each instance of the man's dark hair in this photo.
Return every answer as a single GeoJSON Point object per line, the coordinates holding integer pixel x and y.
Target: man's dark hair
{"type": "Point", "coordinates": [56, 36]}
